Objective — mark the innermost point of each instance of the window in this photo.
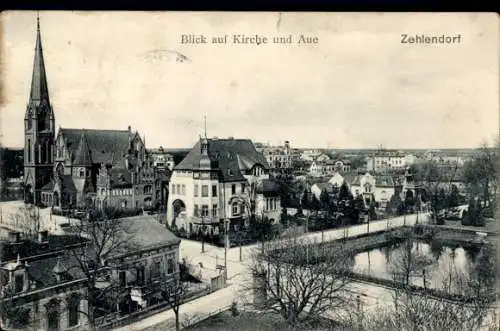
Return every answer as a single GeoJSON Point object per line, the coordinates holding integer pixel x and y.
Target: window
{"type": "Point", "coordinates": [156, 269]}
{"type": "Point", "coordinates": [195, 190]}
{"type": "Point", "coordinates": [214, 210]}
{"type": "Point", "coordinates": [214, 190]}
{"type": "Point", "coordinates": [196, 211]}
{"type": "Point", "coordinates": [204, 210]}
{"type": "Point", "coordinates": [140, 276]}
{"type": "Point", "coordinates": [170, 266]}
{"type": "Point", "coordinates": [233, 189]}
{"type": "Point", "coordinates": [173, 188]}
{"type": "Point", "coordinates": [204, 190]}
{"type": "Point", "coordinates": [19, 283]}
{"type": "Point", "coordinates": [178, 189]}
{"type": "Point", "coordinates": [267, 204]}
{"type": "Point", "coordinates": [29, 150]}
{"type": "Point", "coordinates": [235, 209]}
{"type": "Point", "coordinates": [242, 187]}
{"type": "Point", "coordinates": [147, 189]}
{"type": "Point", "coordinates": [123, 278]}
{"type": "Point", "coordinates": [73, 312]}
{"type": "Point", "coordinates": [183, 189]}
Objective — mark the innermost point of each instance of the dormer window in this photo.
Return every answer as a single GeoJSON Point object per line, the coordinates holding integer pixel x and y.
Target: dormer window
{"type": "Point", "coordinates": [229, 172]}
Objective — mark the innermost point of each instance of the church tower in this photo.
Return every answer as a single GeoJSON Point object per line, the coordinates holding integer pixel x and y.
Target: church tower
{"type": "Point", "coordinates": [39, 130]}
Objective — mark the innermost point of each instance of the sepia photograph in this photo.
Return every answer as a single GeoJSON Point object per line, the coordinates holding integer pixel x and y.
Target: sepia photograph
{"type": "Point", "coordinates": [251, 171]}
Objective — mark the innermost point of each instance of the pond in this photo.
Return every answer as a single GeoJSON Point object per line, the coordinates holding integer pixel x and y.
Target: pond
{"type": "Point", "coordinates": [423, 264]}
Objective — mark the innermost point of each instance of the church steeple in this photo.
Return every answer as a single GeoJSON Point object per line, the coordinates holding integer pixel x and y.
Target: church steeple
{"type": "Point", "coordinates": [39, 88]}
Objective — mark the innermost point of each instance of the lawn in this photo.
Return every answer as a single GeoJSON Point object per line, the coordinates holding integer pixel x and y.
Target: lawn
{"type": "Point", "coordinates": [252, 321]}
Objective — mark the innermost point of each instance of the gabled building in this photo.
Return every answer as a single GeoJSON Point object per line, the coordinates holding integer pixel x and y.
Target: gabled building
{"type": "Point", "coordinates": [379, 187]}
{"type": "Point", "coordinates": [41, 287]}
{"type": "Point", "coordinates": [218, 180]}
{"type": "Point", "coordinates": [80, 166]}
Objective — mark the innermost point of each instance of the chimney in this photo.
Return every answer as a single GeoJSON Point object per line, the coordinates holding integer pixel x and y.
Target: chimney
{"type": "Point", "coordinates": [43, 236]}
{"type": "Point", "coordinates": [129, 128]}
{"type": "Point", "coordinates": [14, 236]}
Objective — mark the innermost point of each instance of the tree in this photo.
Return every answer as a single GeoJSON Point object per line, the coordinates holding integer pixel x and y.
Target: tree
{"type": "Point", "coordinates": [12, 314]}
{"type": "Point", "coordinates": [101, 238]}
{"type": "Point", "coordinates": [300, 281]}
{"type": "Point", "coordinates": [305, 200]}
{"type": "Point", "coordinates": [344, 193]}
{"type": "Point", "coordinates": [325, 201]}
{"type": "Point", "coordinates": [480, 173]}
{"type": "Point", "coordinates": [453, 197]}
{"type": "Point", "coordinates": [27, 220]}
{"type": "Point", "coordinates": [174, 296]}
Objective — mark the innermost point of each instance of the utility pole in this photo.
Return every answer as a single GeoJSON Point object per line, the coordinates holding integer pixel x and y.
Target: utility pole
{"type": "Point", "coordinates": [226, 243]}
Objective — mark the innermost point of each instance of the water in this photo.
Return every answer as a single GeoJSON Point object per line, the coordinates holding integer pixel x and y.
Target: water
{"type": "Point", "coordinates": [439, 266]}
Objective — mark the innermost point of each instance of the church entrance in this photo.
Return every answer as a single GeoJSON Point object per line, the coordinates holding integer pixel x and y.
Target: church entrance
{"type": "Point", "coordinates": [56, 199]}
{"type": "Point", "coordinates": [28, 194]}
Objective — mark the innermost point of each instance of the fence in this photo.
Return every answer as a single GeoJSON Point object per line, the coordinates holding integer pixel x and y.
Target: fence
{"type": "Point", "coordinates": [201, 317]}
{"type": "Point", "coordinates": [107, 323]}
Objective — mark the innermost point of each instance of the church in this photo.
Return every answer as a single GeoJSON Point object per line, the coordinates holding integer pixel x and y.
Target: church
{"type": "Point", "coordinates": [81, 167]}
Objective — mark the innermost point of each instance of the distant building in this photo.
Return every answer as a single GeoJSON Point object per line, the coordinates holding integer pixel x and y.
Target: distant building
{"type": "Point", "coordinates": [383, 160]}
{"type": "Point", "coordinates": [216, 181]}
{"type": "Point", "coordinates": [161, 159]}
{"type": "Point", "coordinates": [280, 157]}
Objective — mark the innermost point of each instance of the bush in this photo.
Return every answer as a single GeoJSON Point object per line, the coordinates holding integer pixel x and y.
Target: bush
{"type": "Point", "coordinates": [234, 309]}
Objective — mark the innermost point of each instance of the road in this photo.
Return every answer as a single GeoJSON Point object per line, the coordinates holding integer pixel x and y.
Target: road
{"type": "Point", "coordinates": [238, 274]}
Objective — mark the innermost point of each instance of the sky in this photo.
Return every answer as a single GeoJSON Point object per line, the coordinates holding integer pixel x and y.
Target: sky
{"type": "Point", "coordinates": [358, 87]}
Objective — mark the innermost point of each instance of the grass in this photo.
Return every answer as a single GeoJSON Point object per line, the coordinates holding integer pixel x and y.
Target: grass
{"type": "Point", "coordinates": [252, 321]}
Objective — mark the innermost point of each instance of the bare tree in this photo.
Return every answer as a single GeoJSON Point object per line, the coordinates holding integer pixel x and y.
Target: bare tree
{"type": "Point", "coordinates": [102, 238]}
{"type": "Point", "coordinates": [175, 296]}
{"type": "Point", "coordinates": [300, 281]}
{"type": "Point", "coordinates": [27, 220]}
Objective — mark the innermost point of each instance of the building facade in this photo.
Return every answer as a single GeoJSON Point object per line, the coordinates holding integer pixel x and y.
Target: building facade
{"type": "Point", "coordinates": [221, 179]}
{"type": "Point", "coordinates": [383, 160]}
{"type": "Point", "coordinates": [40, 287]}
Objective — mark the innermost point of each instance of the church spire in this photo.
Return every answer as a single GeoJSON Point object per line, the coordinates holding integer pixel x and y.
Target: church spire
{"type": "Point", "coordinates": [39, 89]}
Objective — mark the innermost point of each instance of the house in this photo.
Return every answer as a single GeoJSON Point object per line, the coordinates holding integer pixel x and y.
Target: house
{"type": "Point", "coordinates": [219, 180]}
{"type": "Point", "coordinates": [379, 187]}
{"type": "Point", "coordinates": [322, 168]}
{"type": "Point", "coordinates": [41, 286]}
{"type": "Point", "coordinates": [280, 157]}
{"type": "Point", "coordinates": [147, 267]}
{"type": "Point", "coordinates": [384, 159]}
{"type": "Point", "coordinates": [161, 159]}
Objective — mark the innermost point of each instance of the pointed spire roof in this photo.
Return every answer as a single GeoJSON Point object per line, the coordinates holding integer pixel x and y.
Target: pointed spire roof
{"type": "Point", "coordinates": [82, 156]}
{"type": "Point", "coordinates": [39, 87]}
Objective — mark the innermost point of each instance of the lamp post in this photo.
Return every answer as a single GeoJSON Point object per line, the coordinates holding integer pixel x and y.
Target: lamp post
{"type": "Point", "coordinates": [202, 234]}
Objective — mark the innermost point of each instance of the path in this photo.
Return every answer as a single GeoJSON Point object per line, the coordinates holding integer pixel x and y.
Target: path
{"type": "Point", "coordinates": [238, 273]}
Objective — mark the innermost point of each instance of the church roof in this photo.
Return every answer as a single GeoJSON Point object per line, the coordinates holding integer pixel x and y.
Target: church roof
{"type": "Point", "coordinates": [230, 156]}
{"type": "Point", "coordinates": [104, 146]}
